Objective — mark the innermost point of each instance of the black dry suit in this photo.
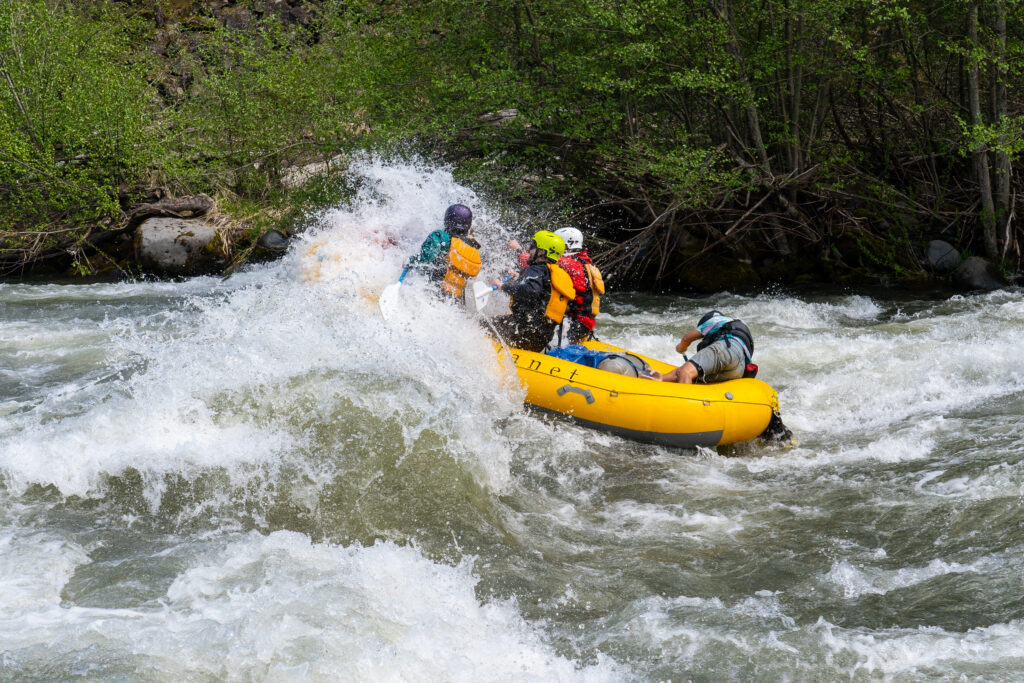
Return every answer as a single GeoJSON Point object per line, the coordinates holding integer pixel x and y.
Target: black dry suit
{"type": "Point", "coordinates": [528, 326]}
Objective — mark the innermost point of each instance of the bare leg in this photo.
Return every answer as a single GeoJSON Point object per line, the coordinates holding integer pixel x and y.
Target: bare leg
{"type": "Point", "coordinates": [684, 374]}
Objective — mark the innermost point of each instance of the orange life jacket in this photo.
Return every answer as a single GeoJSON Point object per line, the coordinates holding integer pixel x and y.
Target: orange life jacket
{"type": "Point", "coordinates": [562, 292]}
{"type": "Point", "coordinates": [596, 288]}
{"type": "Point", "coordinates": [463, 263]}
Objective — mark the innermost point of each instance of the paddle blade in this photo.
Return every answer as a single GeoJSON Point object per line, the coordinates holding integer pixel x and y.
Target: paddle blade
{"type": "Point", "coordinates": [388, 301]}
{"type": "Point", "coordinates": [481, 293]}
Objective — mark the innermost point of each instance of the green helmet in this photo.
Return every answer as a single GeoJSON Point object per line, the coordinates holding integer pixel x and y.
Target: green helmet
{"type": "Point", "coordinates": [550, 243]}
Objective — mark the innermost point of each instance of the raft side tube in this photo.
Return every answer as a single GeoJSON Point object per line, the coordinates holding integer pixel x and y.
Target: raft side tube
{"type": "Point", "coordinates": [666, 413]}
{"type": "Point", "coordinates": [682, 440]}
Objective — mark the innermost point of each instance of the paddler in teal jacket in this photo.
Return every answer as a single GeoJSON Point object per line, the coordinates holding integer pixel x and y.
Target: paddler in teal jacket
{"type": "Point", "coordinates": [450, 256]}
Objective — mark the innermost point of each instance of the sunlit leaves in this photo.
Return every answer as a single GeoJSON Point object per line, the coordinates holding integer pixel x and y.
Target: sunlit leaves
{"type": "Point", "coordinates": [73, 106]}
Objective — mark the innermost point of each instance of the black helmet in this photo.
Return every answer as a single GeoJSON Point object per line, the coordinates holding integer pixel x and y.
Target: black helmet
{"type": "Point", "coordinates": [457, 219]}
{"type": "Point", "coordinates": [708, 316]}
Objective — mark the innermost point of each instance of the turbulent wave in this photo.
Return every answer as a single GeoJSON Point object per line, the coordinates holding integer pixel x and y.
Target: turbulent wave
{"type": "Point", "coordinates": [260, 478]}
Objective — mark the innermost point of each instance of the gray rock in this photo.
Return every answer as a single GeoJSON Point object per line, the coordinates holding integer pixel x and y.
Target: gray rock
{"type": "Point", "coordinates": [273, 240]}
{"type": "Point", "coordinates": [173, 247]}
{"type": "Point", "coordinates": [976, 273]}
{"type": "Point", "coordinates": [942, 257]}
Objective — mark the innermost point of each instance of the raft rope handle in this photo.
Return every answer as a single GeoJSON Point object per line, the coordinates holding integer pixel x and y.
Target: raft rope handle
{"type": "Point", "coordinates": [585, 393]}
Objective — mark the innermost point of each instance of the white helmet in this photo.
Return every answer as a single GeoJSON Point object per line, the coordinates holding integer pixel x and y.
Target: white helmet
{"type": "Point", "coordinates": [573, 238]}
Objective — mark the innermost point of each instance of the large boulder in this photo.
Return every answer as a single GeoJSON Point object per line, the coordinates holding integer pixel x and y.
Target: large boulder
{"type": "Point", "coordinates": [976, 273]}
{"type": "Point", "coordinates": [942, 257]}
{"type": "Point", "coordinates": [174, 247]}
{"type": "Point", "coordinates": [297, 176]}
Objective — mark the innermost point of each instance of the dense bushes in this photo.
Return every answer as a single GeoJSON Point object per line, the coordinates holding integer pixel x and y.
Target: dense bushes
{"type": "Point", "coordinates": [762, 127]}
{"type": "Point", "coordinates": [100, 107]}
{"type": "Point", "coordinates": [75, 118]}
{"type": "Point", "coordinates": [758, 128]}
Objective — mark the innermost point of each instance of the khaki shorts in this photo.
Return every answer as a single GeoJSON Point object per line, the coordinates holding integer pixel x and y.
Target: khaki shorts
{"type": "Point", "coordinates": [721, 361]}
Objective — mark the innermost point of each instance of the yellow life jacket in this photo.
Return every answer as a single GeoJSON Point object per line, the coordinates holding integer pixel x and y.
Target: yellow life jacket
{"type": "Point", "coordinates": [562, 292]}
{"type": "Point", "coordinates": [463, 263]}
{"type": "Point", "coordinates": [596, 288]}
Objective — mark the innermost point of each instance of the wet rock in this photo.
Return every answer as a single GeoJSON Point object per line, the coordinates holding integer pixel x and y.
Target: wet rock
{"type": "Point", "coordinates": [976, 273]}
{"type": "Point", "coordinates": [942, 257]}
{"type": "Point", "coordinates": [270, 246]}
{"type": "Point", "coordinates": [174, 247]}
{"type": "Point", "coordinates": [801, 268]}
{"type": "Point", "coordinates": [273, 241]}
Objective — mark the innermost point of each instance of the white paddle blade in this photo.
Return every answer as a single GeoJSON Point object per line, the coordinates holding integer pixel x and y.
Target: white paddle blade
{"type": "Point", "coordinates": [388, 301]}
{"type": "Point", "coordinates": [481, 293]}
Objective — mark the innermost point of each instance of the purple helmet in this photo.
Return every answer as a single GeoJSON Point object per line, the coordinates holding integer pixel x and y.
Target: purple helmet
{"type": "Point", "coordinates": [457, 219]}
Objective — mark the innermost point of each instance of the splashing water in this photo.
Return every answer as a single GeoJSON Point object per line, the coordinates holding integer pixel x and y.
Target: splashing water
{"type": "Point", "coordinates": [260, 478]}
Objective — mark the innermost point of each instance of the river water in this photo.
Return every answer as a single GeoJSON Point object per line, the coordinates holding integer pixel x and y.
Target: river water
{"type": "Point", "coordinates": [261, 479]}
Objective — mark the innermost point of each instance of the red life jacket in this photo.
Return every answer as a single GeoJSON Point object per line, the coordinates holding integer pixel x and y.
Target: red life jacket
{"type": "Point", "coordinates": [589, 300]}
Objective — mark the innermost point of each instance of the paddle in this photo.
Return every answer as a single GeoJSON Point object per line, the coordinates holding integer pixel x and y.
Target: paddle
{"type": "Point", "coordinates": [388, 301]}
{"type": "Point", "coordinates": [482, 292]}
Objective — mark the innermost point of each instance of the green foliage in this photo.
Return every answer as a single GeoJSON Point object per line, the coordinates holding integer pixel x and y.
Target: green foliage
{"type": "Point", "coordinates": [658, 105]}
{"type": "Point", "coordinates": [73, 114]}
{"type": "Point", "coordinates": [1005, 136]}
{"type": "Point", "coordinates": [263, 100]}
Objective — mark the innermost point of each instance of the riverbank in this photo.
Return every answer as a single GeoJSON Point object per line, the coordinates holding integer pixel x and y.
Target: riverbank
{"type": "Point", "coordinates": [761, 156]}
{"type": "Point", "coordinates": [187, 236]}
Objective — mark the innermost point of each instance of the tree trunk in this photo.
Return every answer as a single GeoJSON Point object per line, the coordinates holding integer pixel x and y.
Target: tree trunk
{"type": "Point", "coordinates": [795, 77]}
{"type": "Point", "coordinates": [1003, 170]}
{"type": "Point", "coordinates": [980, 153]}
{"type": "Point", "coordinates": [781, 243]}
{"type": "Point", "coordinates": [794, 86]}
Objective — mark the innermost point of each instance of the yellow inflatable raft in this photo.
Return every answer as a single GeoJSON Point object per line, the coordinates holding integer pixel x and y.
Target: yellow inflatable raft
{"type": "Point", "coordinates": [666, 413]}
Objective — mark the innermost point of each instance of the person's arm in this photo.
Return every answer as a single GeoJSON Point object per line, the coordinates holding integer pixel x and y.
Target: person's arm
{"type": "Point", "coordinates": [688, 338]}
{"type": "Point", "coordinates": [432, 247]}
{"type": "Point", "coordinates": [522, 255]}
{"type": "Point", "coordinates": [530, 283]}
{"type": "Point", "coordinates": [685, 373]}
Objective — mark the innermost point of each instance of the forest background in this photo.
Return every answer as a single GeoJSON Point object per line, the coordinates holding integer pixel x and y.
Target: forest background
{"type": "Point", "coordinates": [701, 144]}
